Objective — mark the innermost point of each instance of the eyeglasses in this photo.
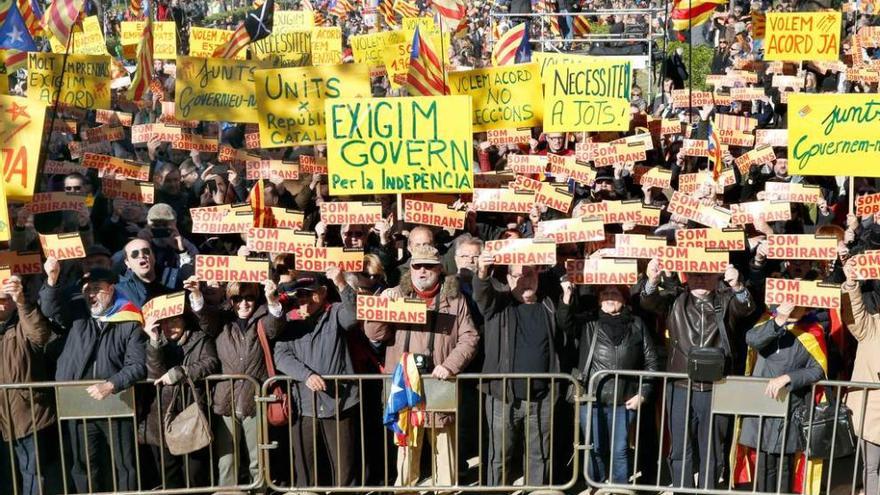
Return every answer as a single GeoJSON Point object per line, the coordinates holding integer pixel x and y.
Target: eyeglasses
{"type": "Point", "coordinates": [424, 266]}
{"type": "Point", "coordinates": [73, 188]}
{"type": "Point", "coordinates": [249, 298]}
{"type": "Point", "coordinates": [468, 256]}
{"type": "Point", "coordinates": [136, 253]}
{"type": "Point", "coordinates": [354, 233]}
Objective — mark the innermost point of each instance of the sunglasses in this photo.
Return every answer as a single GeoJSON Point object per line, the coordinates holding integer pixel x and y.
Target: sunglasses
{"type": "Point", "coordinates": [136, 253]}
{"type": "Point", "coordinates": [354, 233]}
{"type": "Point", "coordinates": [424, 266]}
{"type": "Point", "coordinates": [302, 294]}
{"type": "Point", "coordinates": [73, 188]}
{"type": "Point", "coordinates": [248, 298]}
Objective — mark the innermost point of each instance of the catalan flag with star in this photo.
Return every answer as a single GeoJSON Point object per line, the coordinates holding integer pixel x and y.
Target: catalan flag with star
{"type": "Point", "coordinates": [426, 72]}
{"type": "Point", "coordinates": [15, 38]}
{"type": "Point", "coordinates": [256, 26]}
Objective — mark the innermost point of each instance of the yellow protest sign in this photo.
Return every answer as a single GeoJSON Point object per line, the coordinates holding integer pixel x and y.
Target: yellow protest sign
{"type": "Point", "coordinates": [86, 81]}
{"type": "Point", "coordinates": [368, 48]}
{"type": "Point", "coordinates": [215, 89]}
{"type": "Point", "coordinates": [721, 239]}
{"type": "Point", "coordinates": [867, 204]}
{"type": "Point", "coordinates": [326, 45]}
{"type": "Point", "coordinates": [164, 38]}
{"type": "Point", "coordinates": [392, 145]}
{"type": "Point", "coordinates": [692, 259]}
{"type": "Point", "coordinates": [21, 262]}
{"type": "Point", "coordinates": [274, 170]}
{"type": "Point", "coordinates": [350, 213]}
{"type": "Point", "coordinates": [435, 214]}
{"type": "Point", "coordinates": [219, 268]}
{"type": "Point", "coordinates": [21, 121]}
{"type": "Point", "coordinates": [693, 209]}
{"type": "Point", "coordinates": [285, 49]}
{"type": "Point", "coordinates": [264, 240]}
{"type": "Point", "coordinates": [867, 265]}
{"type": "Point", "coordinates": [792, 192]}
{"type": "Point", "coordinates": [759, 211]}
{"type": "Point", "coordinates": [319, 259]}
{"type": "Point", "coordinates": [211, 220]}
{"type": "Point", "coordinates": [504, 200]}
{"type": "Point", "coordinates": [569, 230]}
{"type": "Point", "coordinates": [801, 247]}
{"type": "Point", "coordinates": [502, 96]}
{"type": "Point", "coordinates": [583, 93]}
{"type": "Point", "coordinates": [501, 137]}
{"type": "Point", "coordinates": [803, 293]}
{"type": "Point", "coordinates": [91, 40]}
{"type": "Point", "coordinates": [286, 218]}
{"type": "Point", "coordinates": [63, 246]}
{"type": "Point", "coordinates": [412, 311]}
{"type": "Point", "coordinates": [833, 134]}
{"type": "Point", "coordinates": [291, 101]}
{"type": "Point", "coordinates": [522, 251]}
{"type": "Point", "coordinates": [602, 271]}
{"type": "Point", "coordinates": [164, 306]}
{"type": "Point", "coordinates": [638, 246]}
{"type": "Point", "coordinates": [203, 42]}
{"type": "Point", "coordinates": [129, 190]}
{"type": "Point", "coordinates": [286, 21]}
{"type": "Point", "coordinates": [527, 164]}
{"type": "Point", "coordinates": [796, 36]}
{"type": "Point", "coordinates": [56, 201]}
{"type": "Point", "coordinates": [425, 24]}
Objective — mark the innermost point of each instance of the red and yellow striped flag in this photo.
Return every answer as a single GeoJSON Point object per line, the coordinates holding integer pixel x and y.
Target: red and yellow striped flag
{"type": "Point", "coordinates": [144, 73]}
{"type": "Point", "coordinates": [580, 26]}
{"type": "Point", "coordinates": [504, 51]}
{"type": "Point", "coordinates": [236, 43]}
{"type": "Point", "coordinates": [406, 8]}
{"type": "Point", "coordinates": [60, 18]}
{"type": "Point", "coordinates": [691, 13]}
{"type": "Point", "coordinates": [135, 9]}
{"type": "Point", "coordinates": [32, 18]}
{"type": "Point", "coordinates": [425, 76]}
{"type": "Point", "coordinates": [451, 13]}
{"type": "Point", "coordinates": [759, 25]}
{"type": "Point", "coordinates": [13, 59]}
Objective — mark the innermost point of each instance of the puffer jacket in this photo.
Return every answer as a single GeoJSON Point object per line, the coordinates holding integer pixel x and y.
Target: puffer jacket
{"type": "Point", "coordinates": [195, 356]}
{"type": "Point", "coordinates": [635, 352]}
{"type": "Point", "coordinates": [240, 354]}
{"type": "Point", "coordinates": [691, 322]}
{"type": "Point", "coordinates": [22, 363]}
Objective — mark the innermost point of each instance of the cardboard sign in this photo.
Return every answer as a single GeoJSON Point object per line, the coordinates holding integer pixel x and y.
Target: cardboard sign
{"type": "Point", "coordinates": [682, 98]}
{"type": "Point", "coordinates": [164, 38]}
{"type": "Point", "coordinates": [411, 311]}
{"type": "Point", "coordinates": [692, 209]}
{"type": "Point", "coordinates": [664, 127]}
{"type": "Point", "coordinates": [53, 167]}
{"type": "Point", "coordinates": [801, 247]}
{"type": "Point", "coordinates": [504, 200]}
{"type": "Point", "coordinates": [22, 136]}
{"type": "Point", "coordinates": [320, 259]}
{"type": "Point", "coordinates": [262, 240]}
{"type": "Point", "coordinates": [792, 192]}
{"type": "Point", "coordinates": [285, 49]}
{"type": "Point", "coordinates": [194, 142]}
{"type": "Point", "coordinates": [715, 239]}
{"type": "Point", "coordinates": [204, 41]}
{"type": "Point", "coordinates": [637, 245]}
{"type": "Point", "coordinates": [291, 101]}
{"type": "Point", "coordinates": [165, 306]}
{"type": "Point", "coordinates": [522, 251]}
{"type": "Point", "coordinates": [570, 230]}
{"type": "Point", "coordinates": [657, 177]}
{"type": "Point", "coordinates": [350, 213]}
{"type": "Point", "coordinates": [130, 190]}
{"type": "Point", "coordinates": [527, 164]}
{"type": "Point", "coordinates": [63, 246]}
{"type": "Point", "coordinates": [273, 170]}
{"type": "Point", "coordinates": [105, 133]}
{"type": "Point", "coordinates": [110, 166]}
{"type": "Point", "coordinates": [78, 148]}
{"type": "Point", "coordinates": [692, 260]}
{"type": "Point", "coordinates": [22, 263]}
{"type": "Point", "coordinates": [747, 94]}
{"type": "Point", "coordinates": [602, 271]}
{"type": "Point", "coordinates": [86, 81]}
{"type": "Point", "coordinates": [757, 156]}
{"type": "Point", "coordinates": [142, 133]}
{"type": "Point", "coordinates": [733, 137]}
{"type": "Point", "coordinates": [212, 220]}
{"type": "Point", "coordinates": [393, 145]}
{"type": "Point", "coordinates": [554, 196]}
{"type": "Point", "coordinates": [760, 211]}
{"type": "Point", "coordinates": [113, 118]}
{"type": "Point", "coordinates": [215, 89]}
{"type": "Point", "coordinates": [803, 293]}
{"type": "Point", "coordinates": [326, 45]}
{"type": "Point", "coordinates": [502, 137]}
{"type": "Point", "coordinates": [695, 147]}
{"type": "Point", "coordinates": [867, 204]}
{"type": "Point", "coordinates": [217, 268]}
{"type": "Point", "coordinates": [833, 134]}
{"type": "Point", "coordinates": [564, 168]}
{"type": "Point", "coordinates": [867, 265]}
{"type": "Point", "coordinates": [308, 164]}
{"type": "Point", "coordinates": [287, 218]}
{"type": "Point", "coordinates": [502, 97]}
{"type": "Point", "coordinates": [584, 93]}
{"type": "Point", "coordinates": [492, 180]}
{"type": "Point", "coordinates": [797, 36]}
{"type": "Point", "coordinates": [434, 214]}
{"type": "Point", "coordinates": [56, 201]}
{"type": "Point", "coordinates": [629, 211]}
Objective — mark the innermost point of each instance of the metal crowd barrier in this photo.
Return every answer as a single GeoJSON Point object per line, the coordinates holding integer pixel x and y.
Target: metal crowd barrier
{"type": "Point", "coordinates": [736, 398]}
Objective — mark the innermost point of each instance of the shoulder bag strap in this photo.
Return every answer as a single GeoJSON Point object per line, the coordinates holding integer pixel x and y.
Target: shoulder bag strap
{"type": "Point", "coordinates": [591, 352]}
{"type": "Point", "coordinates": [719, 322]}
{"type": "Point", "coordinates": [267, 354]}
{"type": "Point", "coordinates": [433, 325]}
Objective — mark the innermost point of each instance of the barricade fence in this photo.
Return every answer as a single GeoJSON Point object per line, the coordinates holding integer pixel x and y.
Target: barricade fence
{"type": "Point", "coordinates": [483, 433]}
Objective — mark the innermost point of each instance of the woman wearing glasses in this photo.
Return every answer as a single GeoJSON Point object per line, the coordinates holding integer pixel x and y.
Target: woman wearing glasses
{"type": "Point", "coordinates": [234, 325]}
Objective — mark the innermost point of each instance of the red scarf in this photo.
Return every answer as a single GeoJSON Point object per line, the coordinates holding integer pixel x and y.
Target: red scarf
{"type": "Point", "coordinates": [427, 295]}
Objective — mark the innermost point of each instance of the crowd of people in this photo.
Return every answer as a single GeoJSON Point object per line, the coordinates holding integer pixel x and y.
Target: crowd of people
{"type": "Point", "coordinates": [78, 320]}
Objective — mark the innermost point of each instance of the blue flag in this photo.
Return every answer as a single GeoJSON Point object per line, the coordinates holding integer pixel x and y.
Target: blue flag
{"type": "Point", "coordinates": [14, 34]}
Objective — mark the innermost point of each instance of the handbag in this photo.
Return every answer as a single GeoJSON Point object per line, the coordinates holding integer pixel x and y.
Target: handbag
{"type": "Point", "coordinates": [709, 364]}
{"type": "Point", "coordinates": [575, 392]}
{"type": "Point", "coordinates": [188, 431]}
{"type": "Point", "coordinates": [821, 430]}
{"type": "Point", "coordinates": [278, 411]}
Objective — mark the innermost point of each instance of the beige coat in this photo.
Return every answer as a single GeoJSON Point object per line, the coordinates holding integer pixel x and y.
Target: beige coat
{"type": "Point", "coordinates": [865, 327]}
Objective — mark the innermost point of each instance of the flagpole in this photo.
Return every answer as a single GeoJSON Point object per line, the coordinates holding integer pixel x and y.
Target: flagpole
{"type": "Point", "coordinates": [44, 149]}
{"type": "Point", "coordinates": [443, 57]}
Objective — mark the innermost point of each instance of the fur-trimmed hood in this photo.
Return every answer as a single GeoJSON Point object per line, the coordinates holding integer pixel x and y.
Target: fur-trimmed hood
{"type": "Point", "coordinates": [451, 288]}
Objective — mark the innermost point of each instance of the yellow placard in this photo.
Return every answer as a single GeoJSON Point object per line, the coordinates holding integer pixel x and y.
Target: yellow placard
{"type": "Point", "coordinates": [554, 196]}
{"type": "Point", "coordinates": [803, 293]}
{"type": "Point", "coordinates": [218, 268]}
{"type": "Point", "coordinates": [326, 45]}
{"type": "Point", "coordinates": [527, 164]}
{"type": "Point", "coordinates": [320, 259]}
{"type": "Point", "coordinates": [164, 37]}
{"type": "Point", "coordinates": [215, 89]}
{"type": "Point", "coordinates": [350, 213]}
{"type": "Point", "coordinates": [105, 133]}
{"type": "Point", "coordinates": [56, 201]}
{"type": "Point", "coordinates": [111, 166]}
{"type": "Point", "coordinates": [164, 306]}
{"type": "Point", "coordinates": [286, 49]}
{"type": "Point", "coordinates": [638, 246]}
{"type": "Point", "coordinates": [792, 192]}
{"type": "Point", "coordinates": [287, 219]}
{"type": "Point", "coordinates": [63, 246]}
{"type": "Point", "coordinates": [112, 117]}
{"type": "Point", "coordinates": [867, 204]}
{"type": "Point", "coordinates": [291, 101]}
{"type": "Point", "coordinates": [797, 36]}
{"type": "Point", "coordinates": [569, 230]}
{"type": "Point", "coordinates": [274, 170]}
{"type": "Point", "coordinates": [718, 239]}
{"type": "Point", "coordinates": [403, 310]}
{"type": "Point", "coordinates": [501, 137]}
{"type": "Point", "coordinates": [502, 96]}
{"type": "Point", "coordinates": [396, 57]}
{"type": "Point", "coordinates": [203, 42]}
{"type": "Point", "coordinates": [425, 24]}
{"type": "Point", "coordinates": [692, 209]}
{"type": "Point", "coordinates": [130, 190]}
{"type": "Point", "coordinates": [434, 214]}
{"type": "Point", "coordinates": [602, 271]}
{"type": "Point", "coordinates": [584, 93]}
{"type": "Point", "coordinates": [396, 145]}
{"type": "Point", "coordinates": [757, 156]}
{"type": "Point", "coordinates": [308, 164]}
{"type": "Point", "coordinates": [142, 133]}
{"type": "Point", "coordinates": [368, 48]}
{"type": "Point", "coordinates": [5, 227]}
{"type": "Point", "coordinates": [86, 81]}
{"type": "Point", "coordinates": [692, 260]}
{"type": "Point", "coordinates": [22, 122]}
{"type": "Point", "coordinates": [867, 265]}
{"type": "Point", "coordinates": [53, 167]}
{"type": "Point", "coordinates": [22, 263]}
{"type": "Point", "coordinates": [833, 134]}
{"type": "Point", "coordinates": [567, 167]}
{"type": "Point", "coordinates": [658, 177]}
{"type": "Point", "coordinates": [263, 240]}
{"type": "Point", "coordinates": [91, 40]}
{"type": "Point", "coordinates": [522, 251]}
{"type": "Point", "coordinates": [629, 211]}
{"type": "Point", "coordinates": [756, 211]}
{"type": "Point", "coordinates": [285, 21]}
{"type": "Point", "coordinates": [195, 142]}
{"type": "Point", "coordinates": [801, 247]}
{"type": "Point", "coordinates": [504, 200]}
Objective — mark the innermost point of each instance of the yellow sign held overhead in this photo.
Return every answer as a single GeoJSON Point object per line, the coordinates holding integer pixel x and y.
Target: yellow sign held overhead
{"type": "Point", "coordinates": [164, 38]}
{"type": "Point", "coordinates": [215, 89]}
{"type": "Point", "coordinates": [86, 81]}
{"type": "Point", "coordinates": [203, 42]}
{"type": "Point", "coordinates": [502, 96]}
{"type": "Point", "coordinates": [796, 36]}
{"type": "Point", "coordinates": [21, 122]}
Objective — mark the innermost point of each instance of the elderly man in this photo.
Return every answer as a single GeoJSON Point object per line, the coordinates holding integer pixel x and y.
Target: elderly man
{"type": "Point", "coordinates": [106, 343]}
{"type": "Point", "coordinates": [444, 347]}
{"type": "Point", "coordinates": [700, 316]}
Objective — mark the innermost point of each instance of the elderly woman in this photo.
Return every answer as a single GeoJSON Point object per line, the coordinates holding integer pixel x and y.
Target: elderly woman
{"type": "Point", "coordinates": [176, 351]}
{"type": "Point", "coordinates": [234, 325]}
{"type": "Point", "coordinates": [615, 339]}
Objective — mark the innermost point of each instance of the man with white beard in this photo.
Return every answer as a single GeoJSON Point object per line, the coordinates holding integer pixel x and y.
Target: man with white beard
{"type": "Point", "coordinates": [442, 348]}
{"type": "Point", "coordinates": [105, 342]}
